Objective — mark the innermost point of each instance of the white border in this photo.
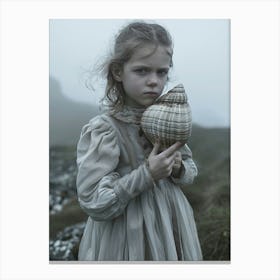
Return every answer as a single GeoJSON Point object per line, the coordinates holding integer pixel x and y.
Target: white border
{"type": "Point", "coordinates": [254, 127]}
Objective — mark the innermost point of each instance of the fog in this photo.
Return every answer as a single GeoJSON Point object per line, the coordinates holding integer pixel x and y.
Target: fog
{"type": "Point", "coordinates": [201, 61]}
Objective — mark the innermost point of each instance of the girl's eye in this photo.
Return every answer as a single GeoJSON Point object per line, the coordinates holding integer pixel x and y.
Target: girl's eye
{"type": "Point", "coordinates": [162, 72]}
{"type": "Point", "coordinates": [144, 71]}
{"type": "Point", "coordinates": [141, 71]}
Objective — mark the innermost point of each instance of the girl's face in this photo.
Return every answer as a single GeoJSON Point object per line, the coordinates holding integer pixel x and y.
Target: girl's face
{"type": "Point", "coordinates": [145, 74]}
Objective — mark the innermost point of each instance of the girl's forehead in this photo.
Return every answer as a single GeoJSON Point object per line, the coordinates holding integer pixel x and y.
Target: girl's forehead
{"type": "Point", "coordinates": [149, 53]}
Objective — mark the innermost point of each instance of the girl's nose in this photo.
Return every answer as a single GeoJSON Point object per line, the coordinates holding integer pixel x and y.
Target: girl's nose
{"type": "Point", "coordinates": [152, 80]}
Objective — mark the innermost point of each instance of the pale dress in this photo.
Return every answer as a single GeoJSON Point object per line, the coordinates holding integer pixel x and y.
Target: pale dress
{"type": "Point", "coordinates": [131, 217]}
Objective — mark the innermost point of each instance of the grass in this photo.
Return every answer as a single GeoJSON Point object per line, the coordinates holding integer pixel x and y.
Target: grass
{"type": "Point", "coordinates": [70, 215]}
{"type": "Point", "coordinates": [214, 232]}
{"type": "Point", "coordinates": [209, 195]}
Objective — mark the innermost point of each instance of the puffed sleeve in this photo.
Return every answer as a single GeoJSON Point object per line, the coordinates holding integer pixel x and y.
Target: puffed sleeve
{"type": "Point", "coordinates": [102, 193]}
{"type": "Point", "coordinates": [189, 169]}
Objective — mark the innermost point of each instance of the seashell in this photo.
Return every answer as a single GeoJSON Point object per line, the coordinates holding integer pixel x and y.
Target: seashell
{"type": "Point", "coordinates": [169, 119]}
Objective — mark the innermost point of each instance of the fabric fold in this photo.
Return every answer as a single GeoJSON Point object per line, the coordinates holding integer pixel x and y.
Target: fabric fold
{"type": "Point", "coordinates": [131, 216]}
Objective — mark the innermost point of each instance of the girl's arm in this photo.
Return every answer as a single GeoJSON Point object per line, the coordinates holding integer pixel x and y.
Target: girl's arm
{"type": "Point", "coordinates": [103, 194]}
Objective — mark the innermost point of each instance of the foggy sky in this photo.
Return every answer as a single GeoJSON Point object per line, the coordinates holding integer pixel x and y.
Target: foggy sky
{"type": "Point", "coordinates": [201, 60]}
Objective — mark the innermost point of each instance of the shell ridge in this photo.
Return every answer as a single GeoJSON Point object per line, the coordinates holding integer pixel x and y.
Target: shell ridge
{"type": "Point", "coordinates": [169, 119]}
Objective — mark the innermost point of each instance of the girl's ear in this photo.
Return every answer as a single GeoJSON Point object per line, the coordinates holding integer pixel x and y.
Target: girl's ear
{"type": "Point", "coordinates": [117, 72]}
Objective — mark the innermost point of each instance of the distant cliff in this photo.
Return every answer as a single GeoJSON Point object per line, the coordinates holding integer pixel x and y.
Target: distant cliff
{"type": "Point", "coordinates": [66, 117]}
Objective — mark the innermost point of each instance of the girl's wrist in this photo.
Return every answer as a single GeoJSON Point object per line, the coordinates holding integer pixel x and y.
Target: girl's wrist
{"type": "Point", "coordinates": [148, 168]}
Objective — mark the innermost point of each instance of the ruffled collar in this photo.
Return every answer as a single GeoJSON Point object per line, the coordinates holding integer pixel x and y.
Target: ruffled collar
{"type": "Point", "coordinates": [129, 115]}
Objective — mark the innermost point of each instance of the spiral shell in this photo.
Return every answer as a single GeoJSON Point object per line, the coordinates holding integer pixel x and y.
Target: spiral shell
{"type": "Point", "coordinates": [169, 119]}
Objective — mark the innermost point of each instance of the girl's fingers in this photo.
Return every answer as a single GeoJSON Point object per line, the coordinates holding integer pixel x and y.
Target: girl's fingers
{"type": "Point", "coordinates": [171, 160]}
{"type": "Point", "coordinates": [172, 149]}
{"type": "Point", "coordinates": [179, 156]}
{"type": "Point", "coordinates": [173, 157]}
{"type": "Point", "coordinates": [155, 149]}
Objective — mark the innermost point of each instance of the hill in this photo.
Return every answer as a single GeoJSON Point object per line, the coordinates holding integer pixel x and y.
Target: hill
{"type": "Point", "coordinates": [66, 117]}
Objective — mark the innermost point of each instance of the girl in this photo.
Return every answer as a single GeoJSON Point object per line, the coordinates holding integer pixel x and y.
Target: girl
{"type": "Point", "coordinates": [129, 188]}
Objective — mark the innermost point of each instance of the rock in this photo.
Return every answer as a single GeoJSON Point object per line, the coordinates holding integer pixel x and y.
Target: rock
{"type": "Point", "coordinates": [57, 243]}
{"type": "Point", "coordinates": [57, 207]}
{"type": "Point", "coordinates": [66, 244]}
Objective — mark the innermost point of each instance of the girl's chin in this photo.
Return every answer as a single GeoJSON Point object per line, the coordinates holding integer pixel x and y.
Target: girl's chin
{"type": "Point", "coordinates": [148, 102]}
{"type": "Point", "coordinates": [140, 105]}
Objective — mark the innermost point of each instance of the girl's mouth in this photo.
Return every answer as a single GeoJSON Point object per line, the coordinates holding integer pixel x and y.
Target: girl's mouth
{"type": "Point", "coordinates": [152, 93]}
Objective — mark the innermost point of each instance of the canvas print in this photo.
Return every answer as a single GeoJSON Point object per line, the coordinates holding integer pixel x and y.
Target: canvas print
{"type": "Point", "coordinates": [139, 140]}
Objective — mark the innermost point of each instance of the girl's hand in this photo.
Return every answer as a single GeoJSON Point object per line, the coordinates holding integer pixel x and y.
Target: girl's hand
{"type": "Point", "coordinates": [177, 165]}
{"type": "Point", "coordinates": [161, 165]}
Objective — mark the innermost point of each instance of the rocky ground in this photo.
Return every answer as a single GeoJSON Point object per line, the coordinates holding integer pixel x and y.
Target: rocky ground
{"type": "Point", "coordinates": [62, 178]}
{"type": "Point", "coordinates": [66, 243]}
{"type": "Point", "coordinates": [63, 244]}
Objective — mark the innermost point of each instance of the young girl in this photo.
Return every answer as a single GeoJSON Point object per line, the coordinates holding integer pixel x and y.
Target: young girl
{"type": "Point", "coordinates": [129, 188]}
